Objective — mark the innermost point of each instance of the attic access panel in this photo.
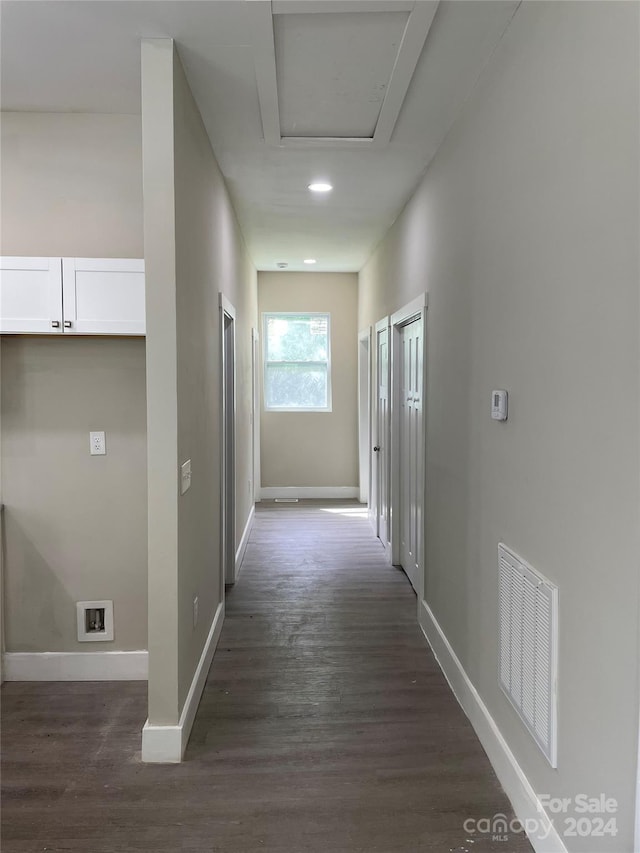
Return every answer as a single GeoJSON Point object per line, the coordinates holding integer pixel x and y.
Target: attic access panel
{"type": "Point", "coordinates": [333, 71]}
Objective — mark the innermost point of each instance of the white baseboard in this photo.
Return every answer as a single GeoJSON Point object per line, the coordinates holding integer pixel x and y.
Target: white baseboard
{"type": "Point", "coordinates": [242, 547]}
{"type": "Point", "coordinates": [386, 546]}
{"type": "Point", "coordinates": [166, 744]}
{"type": "Point", "coordinates": [636, 845]}
{"type": "Point", "coordinates": [524, 799]}
{"type": "Point", "coordinates": [308, 492]}
{"type": "Point", "coordinates": [75, 666]}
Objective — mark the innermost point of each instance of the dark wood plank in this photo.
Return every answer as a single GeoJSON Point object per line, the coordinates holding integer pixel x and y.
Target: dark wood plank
{"type": "Point", "coordinates": [325, 724]}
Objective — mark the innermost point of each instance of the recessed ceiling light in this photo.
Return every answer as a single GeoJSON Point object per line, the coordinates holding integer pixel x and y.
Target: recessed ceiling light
{"type": "Point", "coordinates": [320, 187]}
{"type": "Point", "coordinates": [309, 260]}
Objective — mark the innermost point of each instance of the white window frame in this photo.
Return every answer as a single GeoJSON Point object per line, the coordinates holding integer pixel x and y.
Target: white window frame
{"type": "Point", "coordinates": [265, 363]}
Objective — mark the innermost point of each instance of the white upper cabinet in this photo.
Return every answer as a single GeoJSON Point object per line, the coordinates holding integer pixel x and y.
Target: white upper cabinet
{"type": "Point", "coordinates": [72, 296]}
{"type": "Point", "coordinates": [31, 295]}
{"type": "Point", "coordinates": [103, 296]}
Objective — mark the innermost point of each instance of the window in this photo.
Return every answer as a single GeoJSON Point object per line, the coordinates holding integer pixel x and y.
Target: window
{"type": "Point", "coordinates": [297, 369]}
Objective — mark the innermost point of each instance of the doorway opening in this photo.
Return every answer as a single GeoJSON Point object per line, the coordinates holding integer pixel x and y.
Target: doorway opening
{"type": "Point", "coordinates": [364, 414]}
{"type": "Point", "coordinates": [228, 462]}
{"type": "Point", "coordinates": [255, 414]}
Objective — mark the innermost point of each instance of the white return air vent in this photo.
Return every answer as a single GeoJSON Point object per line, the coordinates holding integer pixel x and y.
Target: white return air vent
{"type": "Point", "coordinates": [528, 647]}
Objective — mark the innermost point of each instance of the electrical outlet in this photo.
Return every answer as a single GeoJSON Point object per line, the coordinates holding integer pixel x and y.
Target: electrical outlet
{"type": "Point", "coordinates": [195, 610]}
{"type": "Point", "coordinates": [97, 444]}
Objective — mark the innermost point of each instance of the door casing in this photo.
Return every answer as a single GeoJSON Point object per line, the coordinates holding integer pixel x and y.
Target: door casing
{"type": "Point", "coordinates": [255, 412]}
{"type": "Point", "coordinates": [364, 414]}
{"type": "Point", "coordinates": [227, 432]}
{"type": "Point", "coordinates": [380, 437]}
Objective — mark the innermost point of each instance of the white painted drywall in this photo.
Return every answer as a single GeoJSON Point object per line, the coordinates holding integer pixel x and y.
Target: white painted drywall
{"type": "Point", "coordinates": [74, 523]}
{"type": "Point", "coordinates": [315, 448]}
{"type": "Point", "coordinates": [193, 250]}
{"type": "Point", "coordinates": [75, 530]}
{"type": "Point", "coordinates": [71, 185]}
{"type": "Point", "coordinates": [525, 232]}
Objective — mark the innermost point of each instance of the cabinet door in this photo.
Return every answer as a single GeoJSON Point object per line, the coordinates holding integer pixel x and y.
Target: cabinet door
{"type": "Point", "coordinates": [30, 295]}
{"type": "Point", "coordinates": [103, 296]}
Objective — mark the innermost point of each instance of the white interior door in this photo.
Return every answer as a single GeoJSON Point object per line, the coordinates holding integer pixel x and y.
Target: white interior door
{"type": "Point", "coordinates": [381, 447]}
{"type": "Point", "coordinates": [410, 448]}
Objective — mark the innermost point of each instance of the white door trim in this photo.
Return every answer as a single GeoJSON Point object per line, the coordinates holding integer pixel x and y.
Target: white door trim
{"type": "Point", "coordinates": [414, 310]}
{"type": "Point", "coordinates": [244, 541]}
{"type": "Point", "coordinates": [226, 305]}
{"type": "Point", "coordinates": [377, 439]}
{"type": "Point", "coordinates": [364, 435]}
{"type": "Point", "coordinates": [227, 454]}
{"type": "Point", "coordinates": [256, 408]}
{"type": "Point", "coordinates": [411, 311]}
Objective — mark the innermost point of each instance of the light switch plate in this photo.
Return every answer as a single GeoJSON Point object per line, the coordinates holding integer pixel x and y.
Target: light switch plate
{"type": "Point", "coordinates": [185, 476]}
{"type": "Point", "coordinates": [97, 444]}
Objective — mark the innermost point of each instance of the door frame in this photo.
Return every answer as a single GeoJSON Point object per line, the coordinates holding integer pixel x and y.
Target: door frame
{"type": "Point", "coordinates": [414, 310]}
{"type": "Point", "coordinates": [255, 412]}
{"type": "Point", "coordinates": [376, 438]}
{"type": "Point", "coordinates": [227, 447]}
{"type": "Point", "coordinates": [364, 414]}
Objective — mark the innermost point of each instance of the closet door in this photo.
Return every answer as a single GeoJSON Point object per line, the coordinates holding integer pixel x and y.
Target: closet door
{"type": "Point", "coordinates": [411, 451]}
{"type": "Point", "coordinates": [103, 296]}
{"type": "Point", "coordinates": [30, 296]}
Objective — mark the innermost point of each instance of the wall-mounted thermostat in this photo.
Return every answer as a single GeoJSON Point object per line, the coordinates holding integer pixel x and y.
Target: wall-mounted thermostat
{"type": "Point", "coordinates": [499, 405]}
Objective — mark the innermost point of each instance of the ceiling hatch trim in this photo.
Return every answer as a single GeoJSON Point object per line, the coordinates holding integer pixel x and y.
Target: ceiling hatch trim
{"type": "Point", "coordinates": [260, 15]}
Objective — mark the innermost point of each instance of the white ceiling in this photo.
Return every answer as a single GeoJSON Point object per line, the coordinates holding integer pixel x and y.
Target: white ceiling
{"type": "Point", "coordinates": [290, 91]}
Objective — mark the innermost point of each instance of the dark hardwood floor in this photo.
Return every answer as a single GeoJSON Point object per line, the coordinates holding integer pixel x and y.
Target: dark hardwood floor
{"type": "Point", "coordinates": [325, 725]}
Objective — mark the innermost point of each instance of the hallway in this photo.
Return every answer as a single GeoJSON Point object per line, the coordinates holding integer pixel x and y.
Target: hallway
{"type": "Point", "coordinates": [325, 724]}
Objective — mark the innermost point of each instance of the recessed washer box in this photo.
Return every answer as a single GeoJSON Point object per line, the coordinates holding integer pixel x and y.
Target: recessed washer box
{"type": "Point", "coordinates": [95, 621]}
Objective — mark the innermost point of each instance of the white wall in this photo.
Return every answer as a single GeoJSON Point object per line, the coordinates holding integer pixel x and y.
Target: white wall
{"type": "Point", "coordinates": [525, 232]}
{"type": "Point", "coordinates": [210, 257]}
{"type": "Point", "coordinates": [315, 448]}
{"type": "Point", "coordinates": [75, 530]}
{"type": "Point", "coordinates": [193, 250]}
{"type": "Point", "coordinates": [71, 185]}
{"type": "Point", "coordinates": [75, 524]}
